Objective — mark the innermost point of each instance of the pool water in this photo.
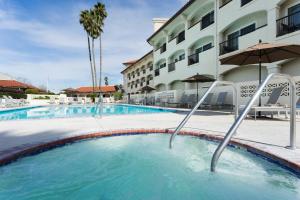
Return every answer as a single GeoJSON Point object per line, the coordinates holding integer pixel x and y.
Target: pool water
{"type": "Point", "coordinates": [74, 111]}
{"type": "Point", "coordinates": [142, 167]}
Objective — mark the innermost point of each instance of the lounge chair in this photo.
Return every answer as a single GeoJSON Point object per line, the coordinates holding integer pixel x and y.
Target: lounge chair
{"type": "Point", "coordinates": [271, 105]}
{"type": "Point", "coordinates": [221, 100]}
{"type": "Point", "coordinates": [207, 101]}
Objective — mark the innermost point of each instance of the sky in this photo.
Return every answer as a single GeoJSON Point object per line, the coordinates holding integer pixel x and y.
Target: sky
{"type": "Point", "coordinates": [42, 40]}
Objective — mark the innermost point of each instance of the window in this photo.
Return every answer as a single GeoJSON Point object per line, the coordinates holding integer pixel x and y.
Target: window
{"type": "Point", "coordinates": [244, 2]}
{"type": "Point", "coordinates": [294, 13]}
{"type": "Point", "coordinates": [151, 67]}
{"type": "Point", "coordinates": [180, 37]}
{"type": "Point", "coordinates": [163, 48]}
{"type": "Point", "coordinates": [247, 29]}
{"type": "Point", "coordinates": [181, 57]}
{"type": "Point", "coordinates": [207, 20]}
{"type": "Point", "coordinates": [162, 65]}
{"type": "Point", "coordinates": [198, 50]}
{"type": "Point", "coordinates": [207, 46]}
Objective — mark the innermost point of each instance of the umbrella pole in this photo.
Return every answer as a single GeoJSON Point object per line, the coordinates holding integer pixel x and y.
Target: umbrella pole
{"type": "Point", "coordinates": [259, 81]}
{"type": "Point", "coordinates": [197, 91]}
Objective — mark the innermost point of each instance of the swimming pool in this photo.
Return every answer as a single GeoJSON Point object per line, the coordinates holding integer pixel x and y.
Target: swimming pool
{"type": "Point", "coordinates": [142, 167]}
{"type": "Point", "coordinates": [44, 112]}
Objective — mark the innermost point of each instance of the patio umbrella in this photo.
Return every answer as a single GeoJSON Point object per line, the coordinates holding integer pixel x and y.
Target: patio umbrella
{"type": "Point", "coordinates": [199, 78]}
{"type": "Point", "coordinates": [262, 53]}
{"type": "Point", "coordinates": [147, 89]}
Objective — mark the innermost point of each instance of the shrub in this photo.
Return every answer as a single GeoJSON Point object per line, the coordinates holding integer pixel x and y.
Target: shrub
{"type": "Point", "coordinates": [32, 91]}
{"type": "Point", "coordinates": [118, 96]}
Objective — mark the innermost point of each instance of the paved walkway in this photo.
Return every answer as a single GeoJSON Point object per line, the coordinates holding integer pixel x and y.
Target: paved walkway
{"type": "Point", "coordinates": [270, 135]}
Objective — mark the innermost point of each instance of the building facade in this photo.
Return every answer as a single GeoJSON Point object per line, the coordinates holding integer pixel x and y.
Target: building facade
{"type": "Point", "coordinates": [138, 74]}
{"type": "Point", "coordinates": [203, 31]}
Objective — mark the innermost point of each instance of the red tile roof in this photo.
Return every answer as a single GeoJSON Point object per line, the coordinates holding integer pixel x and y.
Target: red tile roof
{"type": "Point", "coordinates": [14, 84]}
{"type": "Point", "coordinates": [88, 89]}
{"type": "Point", "coordinates": [130, 62]}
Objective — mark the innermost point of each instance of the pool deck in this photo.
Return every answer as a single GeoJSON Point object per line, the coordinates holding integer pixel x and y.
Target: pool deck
{"type": "Point", "coordinates": [270, 136]}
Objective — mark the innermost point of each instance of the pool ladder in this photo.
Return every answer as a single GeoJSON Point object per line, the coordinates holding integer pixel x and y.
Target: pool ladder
{"type": "Point", "coordinates": [239, 119]}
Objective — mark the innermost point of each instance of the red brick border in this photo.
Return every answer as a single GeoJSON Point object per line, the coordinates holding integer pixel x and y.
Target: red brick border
{"type": "Point", "coordinates": [35, 149]}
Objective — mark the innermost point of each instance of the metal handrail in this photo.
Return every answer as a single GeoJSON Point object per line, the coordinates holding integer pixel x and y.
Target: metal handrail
{"type": "Point", "coordinates": [242, 116]}
{"type": "Point", "coordinates": [187, 117]}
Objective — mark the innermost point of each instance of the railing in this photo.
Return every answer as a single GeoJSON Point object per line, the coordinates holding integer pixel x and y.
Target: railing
{"type": "Point", "coordinates": [244, 113]}
{"type": "Point", "coordinates": [207, 20]}
{"type": "Point", "coordinates": [229, 45]}
{"type": "Point", "coordinates": [288, 24]}
{"type": "Point", "coordinates": [194, 58]}
{"type": "Point", "coordinates": [171, 67]}
{"type": "Point", "coordinates": [224, 3]}
{"type": "Point", "coordinates": [156, 72]}
{"type": "Point", "coordinates": [188, 116]}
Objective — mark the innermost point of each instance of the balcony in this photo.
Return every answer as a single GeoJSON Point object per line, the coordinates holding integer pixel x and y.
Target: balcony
{"type": "Point", "coordinates": [194, 58]}
{"type": "Point", "coordinates": [229, 45]}
{"type": "Point", "coordinates": [171, 67]}
{"type": "Point", "coordinates": [288, 24]}
{"type": "Point", "coordinates": [156, 72]}
{"type": "Point", "coordinates": [233, 44]}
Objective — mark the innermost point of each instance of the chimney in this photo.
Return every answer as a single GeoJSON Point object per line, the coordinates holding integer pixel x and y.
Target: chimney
{"type": "Point", "coordinates": [158, 22]}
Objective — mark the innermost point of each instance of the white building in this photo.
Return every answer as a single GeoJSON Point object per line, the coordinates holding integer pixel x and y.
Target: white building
{"type": "Point", "coordinates": [202, 31]}
{"type": "Point", "coordinates": [137, 74]}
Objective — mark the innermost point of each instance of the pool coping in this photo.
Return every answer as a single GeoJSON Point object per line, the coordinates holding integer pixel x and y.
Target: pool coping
{"type": "Point", "coordinates": [33, 149]}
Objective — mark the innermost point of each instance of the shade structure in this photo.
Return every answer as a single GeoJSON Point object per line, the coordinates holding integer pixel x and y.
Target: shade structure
{"type": "Point", "coordinates": [146, 89]}
{"type": "Point", "coordinates": [199, 78]}
{"type": "Point", "coordinates": [262, 53]}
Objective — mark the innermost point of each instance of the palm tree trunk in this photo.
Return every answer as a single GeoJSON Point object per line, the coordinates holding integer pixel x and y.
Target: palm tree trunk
{"type": "Point", "coordinates": [100, 74]}
{"type": "Point", "coordinates": [90, 56]}
{"type": "Point", "coordinates": [94, 63]}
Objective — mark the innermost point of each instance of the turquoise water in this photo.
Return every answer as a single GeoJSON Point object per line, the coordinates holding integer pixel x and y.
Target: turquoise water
{"type": "Point", "coordinates": [142, 167]}
{"type": "Point", "coordinates": [74, 111]}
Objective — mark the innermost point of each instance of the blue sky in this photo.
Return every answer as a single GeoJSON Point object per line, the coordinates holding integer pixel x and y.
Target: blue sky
{"type": "Point", "coordinates": [42, 38]}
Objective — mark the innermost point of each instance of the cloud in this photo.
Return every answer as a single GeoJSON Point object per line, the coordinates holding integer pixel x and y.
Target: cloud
{"type": "Point", "coordinates": [44, 41]}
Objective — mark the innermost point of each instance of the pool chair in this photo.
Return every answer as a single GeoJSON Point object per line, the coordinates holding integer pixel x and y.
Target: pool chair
{"type": "Point", "coordinates": [207, 103]}
{"type": "Point", "coordinates": [271, 105]}
{"type": "Point", "coordinates": [191, 100]}
{"type": "Point", "coordinates": [221, 99]}
{"type": "Point", "coordinates": [9, 101]}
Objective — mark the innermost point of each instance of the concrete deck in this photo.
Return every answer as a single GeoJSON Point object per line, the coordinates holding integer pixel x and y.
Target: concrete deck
{"type": "Point", "coordinates": [268, 135]}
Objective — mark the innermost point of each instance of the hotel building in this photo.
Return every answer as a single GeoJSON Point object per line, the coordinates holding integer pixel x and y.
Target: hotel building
{"type": "Point", "coordinates": [203, 31]}
{"type": "Point", "coordinates": [137, 74]}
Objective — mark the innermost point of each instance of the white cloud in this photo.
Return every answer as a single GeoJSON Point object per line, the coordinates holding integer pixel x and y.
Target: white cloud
{"type": "Point", "coordinates": [58, 48]}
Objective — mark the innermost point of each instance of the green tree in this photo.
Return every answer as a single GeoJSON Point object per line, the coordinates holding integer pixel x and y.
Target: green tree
{"type": "Point", "coordinates": [86, 21]}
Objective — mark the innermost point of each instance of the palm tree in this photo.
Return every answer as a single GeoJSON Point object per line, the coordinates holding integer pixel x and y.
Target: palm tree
{"type": "Point", "coordinates": [99, 16]}
{"type": "Point", "coordinates": [86, 21]}
{"type": "Point", "coordinates": [106, 80]}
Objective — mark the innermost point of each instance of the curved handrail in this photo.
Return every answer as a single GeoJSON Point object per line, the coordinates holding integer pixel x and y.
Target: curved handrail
{"type": "Point", "coordinates": [187, 117]}
{"type": "Point", "coordinates": [242, 116]}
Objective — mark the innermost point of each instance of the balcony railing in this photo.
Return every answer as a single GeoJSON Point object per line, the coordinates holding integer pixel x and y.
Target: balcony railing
{"type": "Point", "coordinates": [156, 72]}
{"type": "Point", "coordinates": [288, 24]}
{"type": "Point", "coordinates": [224, 3]}
{"type": "Point", "coordinates": [171, 67]}
{"type": "Point", "coordinates": [229, 45]}
{"type": "Point", "coordinates": [233, 43]}
{"type": "Point", "coordinates": [194, 58]}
